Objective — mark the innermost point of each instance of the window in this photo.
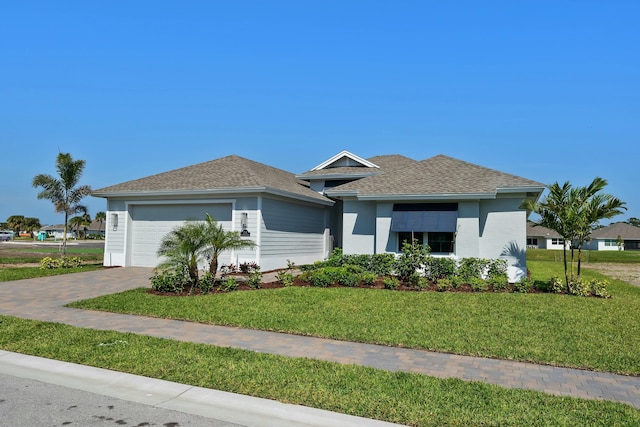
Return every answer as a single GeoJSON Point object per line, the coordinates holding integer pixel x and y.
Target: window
{"type": "Point", "coordinates": [406, 237]}
{"type": "Point", "coordinates": [532, 241]}
{"type": "Point", "coordinates": [557, 241]}
{"type": "Point", "coordinates": [440, 242]}
{"type": "Point", "coordinates": [610, 242]}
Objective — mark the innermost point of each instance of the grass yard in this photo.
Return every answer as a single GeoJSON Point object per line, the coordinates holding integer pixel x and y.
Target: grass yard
{"type": "Point", "coordinates": [587, 256]}
{"type": "Point", "coordinates": [561, 330]}
{"type": "Point", "coordinates": [411, 399]}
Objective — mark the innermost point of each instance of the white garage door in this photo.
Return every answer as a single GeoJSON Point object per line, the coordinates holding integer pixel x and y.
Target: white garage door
{"type": "Point", "coordinates": [150, 223]}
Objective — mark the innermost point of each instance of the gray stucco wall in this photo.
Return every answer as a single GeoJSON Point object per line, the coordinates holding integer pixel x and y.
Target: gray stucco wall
{"type": "Point", "coordinates": [359, 227]}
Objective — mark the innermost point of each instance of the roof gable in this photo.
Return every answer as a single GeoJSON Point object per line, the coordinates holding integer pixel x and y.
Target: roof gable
{"type": "Point", "coordinates": [344, 159]}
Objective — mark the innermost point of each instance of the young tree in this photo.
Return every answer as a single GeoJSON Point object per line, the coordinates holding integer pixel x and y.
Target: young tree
{"type": "Point", "coordinates": [555, 214]}
{"type": "Point", "coordinates": [31, 224]}
{"type": "Point", "coordinates": [219, 240]}
{"type": "Point", "coordinates": [574, 213]}
{"type": "Point", "coordinates": [63, 191]}
{"type": "Point", "coordinates": [592, 206]}
{"type": "Point", "coordinates": [80, 221]}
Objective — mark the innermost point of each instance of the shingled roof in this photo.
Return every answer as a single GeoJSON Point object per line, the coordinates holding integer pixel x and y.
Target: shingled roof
{"type": "Point", "coordinates": [440, 175]}
{"type": "Point", "coordinates": [230, 174]}
{"type": "Point", "coordinates": [622, 229]}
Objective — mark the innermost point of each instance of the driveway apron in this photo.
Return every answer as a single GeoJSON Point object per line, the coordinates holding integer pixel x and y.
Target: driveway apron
{"type": "Point", "coordinates": [44, 299]}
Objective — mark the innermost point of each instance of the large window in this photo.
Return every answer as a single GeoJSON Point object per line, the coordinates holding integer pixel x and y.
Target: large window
{"type": "Point", "coordinates": [434, 224]}
{"type": "Point", "coordinates": [557, 241]}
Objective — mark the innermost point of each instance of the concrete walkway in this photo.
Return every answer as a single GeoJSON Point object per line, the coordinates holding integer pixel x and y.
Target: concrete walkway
{"type": "Point", "coordinates": [43, 299]}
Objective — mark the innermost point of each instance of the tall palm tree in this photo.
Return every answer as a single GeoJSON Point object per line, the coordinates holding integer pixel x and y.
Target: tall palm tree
{"type": "Point", "coordinates": [183, 247]}
{"type": "Point", "coordinates": [219, 240]}
{"type": "Point", "coordinates": [64, 191]}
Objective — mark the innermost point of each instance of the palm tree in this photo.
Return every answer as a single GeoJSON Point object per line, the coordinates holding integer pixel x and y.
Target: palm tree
{"type": "Point", "coordinates": [555, 214]}
{"type": "Point", "coordinates": [80, 221]}
{"type": "Point", "coordinates": [593, 206]}
{"type": "Point", "coordinates": [64, 191]}
{"type": "Point", "coordinates": [184, 247]}
{"type": "Point", "coordinates": [218, 240]}
{"type": "Point", "coordinates": [101, 217]}
{"type": "Point", "coordinates": [16, 223]}
{"type": "Point", "coordinates": [574, 213]}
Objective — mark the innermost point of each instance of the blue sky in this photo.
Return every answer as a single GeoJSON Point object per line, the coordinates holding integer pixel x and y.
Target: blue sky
{"type": "Point", "coordinates": [548, 90]}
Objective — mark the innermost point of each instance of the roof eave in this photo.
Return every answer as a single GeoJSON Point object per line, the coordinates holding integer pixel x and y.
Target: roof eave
{"type": "Point", "coordinates": [215, 191]}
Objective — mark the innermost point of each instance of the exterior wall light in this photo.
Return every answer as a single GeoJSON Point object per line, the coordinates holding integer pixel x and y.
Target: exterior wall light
{"type": "Point", "coordinates": [114, 221]}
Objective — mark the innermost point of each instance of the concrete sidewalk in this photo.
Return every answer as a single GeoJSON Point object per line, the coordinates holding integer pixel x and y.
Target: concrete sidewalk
{"type": "Point", "coordinates": [21, 299]}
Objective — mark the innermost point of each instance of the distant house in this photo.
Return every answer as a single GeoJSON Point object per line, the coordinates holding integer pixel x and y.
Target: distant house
{"type": "Point", "coordinates": [607, 238]}
{"type": "Point", "coordinates": [57, 231]}
{"type": "Point", "coordinates": [364, 206]}
{"type": "Point", "coordinates": [539, 237]}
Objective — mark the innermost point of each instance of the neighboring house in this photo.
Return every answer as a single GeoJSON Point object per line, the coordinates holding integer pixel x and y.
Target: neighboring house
{"type": "Point", "coordinates": [57, 231]}
{"type": "Point", "coordinates": [539, 237]}
{"type": "Point", "coordinates": [364, 206]}
{"type": "Point", "coordinates": [607, 238]}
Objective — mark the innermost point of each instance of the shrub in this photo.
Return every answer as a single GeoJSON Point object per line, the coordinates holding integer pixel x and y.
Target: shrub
{"type": "Point", "coordinates": [63, 262]}
{"type": "Point", "coordinates": [418, 281]}
{"type": "Point", "coordinates": [391, 282]}
{"type": "Point", "coordinates": [524, 285]}
{"type": "Point", "coordinates": [320, 278]}
{"type": "Point", "coordinates": [382, 264]}
{"type": "Point", "coordinates": [335, 260]}
{"type": "Point", "coordinates": [444, 284]}
{"type": "Point", "coordinates": [205, 283]}
{"type": "Point", "coordinates": [438, 268]}
{"type": "Point", "coordinates": [555, 285]}
{"type": "Point", "coordinates": [229, 284]}
{"type": "Point", "coordinates": [368, 278]}
{"type": "Point", "coordinates": [472, 268]}
{"type": "Point", "coordinates": [499, 282]}
{"type": "Point", "coordinates": [413, 258]}
{"type": "Point", "coordinates": [228, 269]}
{"type": "Point", "coordinates": [580, 288]}
{"type": "Point", "coordinates": [248, 267]}
{"type": "Point", "coordinates": [478, 285]}
{"type": "Point", "coordinates": [599, 288]}
{"type": "Point", "coordinates": [255, 278]}
{"type": "Point", "coordinates": [285, 277]}
{"type": "Point", "coordinates": [169, 281]}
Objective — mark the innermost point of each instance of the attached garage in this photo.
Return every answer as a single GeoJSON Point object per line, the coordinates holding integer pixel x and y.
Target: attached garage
{"type": "Point", "coordinates": [151, 222]}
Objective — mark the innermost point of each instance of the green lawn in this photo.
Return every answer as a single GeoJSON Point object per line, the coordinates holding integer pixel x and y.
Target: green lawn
{"type": "Point", "coordinates": [587, 256]}
{"type": "Point", "coordinates": [591, 333]}
{"type": "Point", "coordinates": [19, 273]}
{"type": "Point", "coordinates": [405, 398]}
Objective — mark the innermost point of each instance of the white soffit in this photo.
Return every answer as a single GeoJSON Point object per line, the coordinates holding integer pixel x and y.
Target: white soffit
{"type": "Point", "coordinates": [348, 155]}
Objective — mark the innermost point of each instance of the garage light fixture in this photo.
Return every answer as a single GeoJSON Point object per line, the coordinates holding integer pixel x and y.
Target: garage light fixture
{"type": "Point", "coordinates": [114, 221]}
{"type": "Point", "coordinates": [244, 220]}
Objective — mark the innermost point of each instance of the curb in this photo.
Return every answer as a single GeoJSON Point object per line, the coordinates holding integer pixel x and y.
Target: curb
{"type": "Point", "coordinates": [230, 407]}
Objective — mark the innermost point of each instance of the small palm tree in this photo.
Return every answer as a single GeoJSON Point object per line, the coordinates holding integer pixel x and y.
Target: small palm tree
{"type": "Point", "coordinates": [219, 240]}
{"type": "Point", "coordinates": [183, 248]}
{"type": "Point", "coordinates": [64, 191]}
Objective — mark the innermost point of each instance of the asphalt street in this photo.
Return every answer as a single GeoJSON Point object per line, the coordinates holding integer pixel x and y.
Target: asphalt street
{"type": "Point", "coordinates": [26, 402]}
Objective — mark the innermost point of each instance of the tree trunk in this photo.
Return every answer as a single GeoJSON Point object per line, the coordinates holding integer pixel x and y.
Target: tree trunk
{"type": "Point", "coordinates": [566, 272]}
{"type": "Point", "coordinates": [64, 235]}
{"type": "Point", "coordinates": [579, 260]}
{"type": "Point", "coordinates": [213, 266]}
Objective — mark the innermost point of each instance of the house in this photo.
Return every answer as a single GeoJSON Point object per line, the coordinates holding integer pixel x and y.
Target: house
{"type": "Point", "coordinates": [609, 238]}
{"type": "Point", "coordinates": [57, 231]}
{"type": "Point", "coordinates": [364, 206]}
{"type": "Point", "coordinates": [539, 237]}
